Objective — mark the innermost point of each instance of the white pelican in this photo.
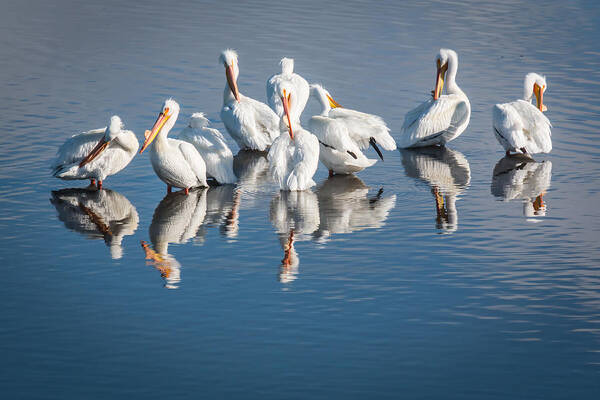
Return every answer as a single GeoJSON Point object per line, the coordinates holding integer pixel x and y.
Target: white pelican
{"type": "Point", "coordinates": [520, 177]}
{"type": "Point", "coordinates": [298, 83]}
{"type": "Point", "coordinates": [522, 127]}
{"type": "Point", "coordinates": [211, 145]}
{"type": "Point", "coordinates": [95, 213]}
{"type": "Point", "coordinates": [344, 206]}
{"type": "Point", "coordinates": [337, 151]}
{"type": "Point", "coordinates": [447, 172]}
{"type": "Point", "coordinates": [364, 129]}
{"type": "Point", "coordinates": [177, 163]}
{"type": "Point", "coordinates": [252, 124]}
{"type": "Point", "coordinates": [96, 154]}
{"type": "Point", "coordinates": [293, 159]}
{"type": "Point", "coordinates": [442, 118]}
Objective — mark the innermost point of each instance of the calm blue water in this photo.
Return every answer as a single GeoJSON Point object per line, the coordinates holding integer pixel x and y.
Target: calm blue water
{"type": "Point", "coordinates": [434, 274]}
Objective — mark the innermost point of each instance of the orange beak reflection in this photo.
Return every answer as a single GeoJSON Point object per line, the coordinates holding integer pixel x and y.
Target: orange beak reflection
{"type": "Point", "coordinates": [231, 82]}
{"type": "Point", "coordinates": [96, 151]}
{"type": "Point", "coordinates": [286, 107]}
{"type": "Point", "coordinates": [439, 81]}
{"type": "Point", "coordinates": [151, 135]}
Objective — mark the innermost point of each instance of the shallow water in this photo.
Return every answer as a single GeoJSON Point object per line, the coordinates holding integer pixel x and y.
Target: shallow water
{"type": "Point", "coordinates": [436, 273]}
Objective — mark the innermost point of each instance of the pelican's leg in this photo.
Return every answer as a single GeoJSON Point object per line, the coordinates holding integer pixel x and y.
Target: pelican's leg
{"type": "Point", "coordinates": [330, 173]}
{"type": "Point", "coordinates": [99, 184]}
{"type": "Point", "coordinates": [169, 189]}
{"type": "Point", "coordinates": [93, 182]}
{"type": "Point", "coordinates": [187, 191]}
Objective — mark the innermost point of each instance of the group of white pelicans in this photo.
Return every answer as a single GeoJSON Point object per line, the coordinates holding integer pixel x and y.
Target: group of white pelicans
{"type": "Point", "coordinates": [337, 136]}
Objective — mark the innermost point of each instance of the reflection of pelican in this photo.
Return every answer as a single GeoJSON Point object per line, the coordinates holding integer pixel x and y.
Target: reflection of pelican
{"type": "Point", "coordinates": [97, 214]}
{"type": "Point", "coordinates": [447, 172]}
{"type": "Point", "coordinates": [176, 220]}
{"type": "Point", "coordinates": [344, 206]}
{"type": "Point", "coordinates": [295, 216]}
{"type": "Point", "coordinates": [222, 203]}
{"type": "Point", "coordinates": [252, 170]}
{"type": "Point", "coordinates": [519, 177]}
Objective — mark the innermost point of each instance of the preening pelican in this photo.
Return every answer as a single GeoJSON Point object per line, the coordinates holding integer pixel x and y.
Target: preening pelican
{"type": "Point", "coordinates": [442, 118]}
{"type": "Point", "coordinates": [298, 83]}
{"type": "Point", "coordinates": [522, 127]}
{"type": "Point", "coordinates": [96, 154]}
{"type": "Point", "coordinates": [252, 124]}
{"type": "Point", "coordinates": [364, 129]}
{"type": "Point", "coordinates": [293, 158]}
{"type": "Point", "coordinates": [177, 163]}
{"type": "Point", "coordinates": [95, 213]}
{"type": "Point", "coordinates": [345, 207]}
{"type": "Point", "coordinates": [337, 151]}
{"type": "Point", "coordinates": [518, 177]}
{"type": "Point", "coordinates": [211, 145]}
{"type": "Point", "coordinates": [447, 172]}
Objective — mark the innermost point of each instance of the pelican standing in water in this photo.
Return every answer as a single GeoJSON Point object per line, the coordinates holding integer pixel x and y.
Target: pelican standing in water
{"type": "Point", "coordinates": [177, 163]}
{"type": "Point", "coordinates": [442, 118]}
{"type": "Point", "coordinates": [211, 145]}
{"type": "Point", "coordinates": [293, 158]}
{"type": "Point", "coordinates": [337, 151]}
{"type": "Point", "coordinates": [252, 124]}
{"type": "Point", "coordinates": [364, 129]}
{"type": "Point", "coordinates": [298, 83]}
{"type": "Point", "coordinates": [522, 127]}
{"type": "Point", "coordinates": [96, 154]}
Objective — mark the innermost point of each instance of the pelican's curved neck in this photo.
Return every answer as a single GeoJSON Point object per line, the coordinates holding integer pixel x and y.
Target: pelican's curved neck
{"type": "Point", "coordinates": [127, 141]}
{"type": "Point", "coordinates": [528, 88]}
{"type": "Point", "coordinates": [451, 85]}
{"type": "Point", "coordinates": [322, 98]}
{"type": "Point", "coordinates": [228, 96]}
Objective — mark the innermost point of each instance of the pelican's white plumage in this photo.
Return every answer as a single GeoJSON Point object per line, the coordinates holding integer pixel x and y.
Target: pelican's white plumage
{"type": "Point", "coordinates": [177, 163]}
{"type": "Point", "coordinates": [522, 127]}
{"type": "Point", "coordinates": [252, 124]}
{"type": "Point", "coordinates": [364, 129]}
{"type": "Point", "coordinates": [443, 118]}
{"type": "Point", "coordinates": [211, 145]}
{"type": "Point", "coordinates": [294, 158]}
{"type": "Point", "coordinates": [96, 154]}
{"type": "Point", "coordinates": [337, 151]}
{"type": "Point", "coordinates": [298, 84]}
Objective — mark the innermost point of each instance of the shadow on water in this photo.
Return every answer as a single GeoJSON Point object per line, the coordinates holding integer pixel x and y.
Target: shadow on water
{"type": "Point", "coordinates": [448, 174]}
{"type": "Point", "coordinates": [97, 214]}
{"type": "Point", "coordinates": [522, 178]}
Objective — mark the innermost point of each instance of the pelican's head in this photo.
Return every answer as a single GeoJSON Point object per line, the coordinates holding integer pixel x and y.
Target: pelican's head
{"type": "Point", "coordinates": [442, 59]}
{"type": "Point", "coordinates": [535, 84]}
{"type": "Point", "coordinates": [114, 128]}
{"type": "Point", "coordinates": [286, 92]}
{"type": "Point", "coordinates": [198, 121]}
{"type": "Point", "coordinates": [229, 59]}
{"type": "Point", "coordinates": [287, 66]}
{"type": "Point", "coordinates": [322, 94]}
{"type": "Point", "coordinates": [167, 116]}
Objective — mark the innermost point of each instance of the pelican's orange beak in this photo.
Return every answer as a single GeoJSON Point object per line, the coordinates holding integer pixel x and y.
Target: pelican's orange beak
{"type": "Point", "coordinates": [286, 107]}
{"type": "Point", "coordinates": [100, 147]}
{"type": "Point", "coordinates": [332, 102]}
{"type": "Point", "coordinates": [439, 81]}
{"type": "Point", "coordinates": [151, 135]}
{"type": "Point", "coordinates": [539, 96]}
{"type": "Point", "coordinates": [231, 82]}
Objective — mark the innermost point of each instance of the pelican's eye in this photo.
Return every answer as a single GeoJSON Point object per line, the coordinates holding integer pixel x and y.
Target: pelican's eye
{"type": "Point", "coordinates": [166, 110]}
